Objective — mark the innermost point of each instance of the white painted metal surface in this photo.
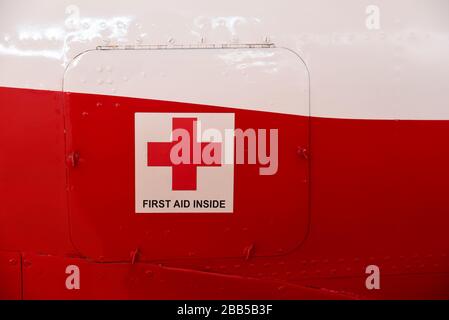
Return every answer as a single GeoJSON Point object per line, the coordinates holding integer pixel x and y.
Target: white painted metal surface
{"type": "Point", "coordinates": [397, 71]}
{"type": "Point", "coordinates": [265, 79]}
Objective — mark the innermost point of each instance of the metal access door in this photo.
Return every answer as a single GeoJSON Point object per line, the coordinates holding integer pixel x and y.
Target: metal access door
{"type": "Point", "coordinates": [122, 107]}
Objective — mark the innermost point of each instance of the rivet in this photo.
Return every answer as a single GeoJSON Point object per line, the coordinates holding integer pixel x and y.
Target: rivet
{"type": "Point", "coordinates": [74, 159]}
{"type": "Point", "coordinates": [303, 152]}
{"type": "Point", "coordinates": [134, 255]}
{"type": "Point", "coordinates": [248, 251]}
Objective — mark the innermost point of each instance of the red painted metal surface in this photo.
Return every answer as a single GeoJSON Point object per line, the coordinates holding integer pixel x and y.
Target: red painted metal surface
{"type": "Point", "coordinates": [102, 206]}
{"type": "Point", "coordinates": [33, 188]}
{"type": "Point", "coordinates": [377, 196]}
{"type": "Point", "coordinates": [10, 276]}
{"type": "Point", "coordinates": [44, 278]}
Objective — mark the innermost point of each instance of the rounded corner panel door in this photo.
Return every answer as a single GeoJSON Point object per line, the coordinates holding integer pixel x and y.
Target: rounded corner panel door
{"type": "Point", "coordinates": [187, 153]}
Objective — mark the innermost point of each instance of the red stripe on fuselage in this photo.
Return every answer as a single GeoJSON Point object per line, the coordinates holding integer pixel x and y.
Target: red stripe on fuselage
{"type": "Point", "coordinates": [377, 196]}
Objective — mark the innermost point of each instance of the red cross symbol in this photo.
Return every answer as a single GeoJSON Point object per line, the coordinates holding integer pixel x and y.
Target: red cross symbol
{"type": "Point", "coordinates": [183, 174]}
